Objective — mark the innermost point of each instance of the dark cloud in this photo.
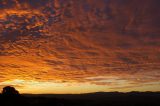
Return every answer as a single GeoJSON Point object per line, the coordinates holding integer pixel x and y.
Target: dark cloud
{"type": "Point", "coordinates": [53, 62]}
{"type": "Point", "coordinates": [128, 60]}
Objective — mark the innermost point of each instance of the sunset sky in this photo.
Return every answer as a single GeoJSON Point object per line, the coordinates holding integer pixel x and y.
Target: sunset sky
{"type": "Point", "coordinates": [80, 46]}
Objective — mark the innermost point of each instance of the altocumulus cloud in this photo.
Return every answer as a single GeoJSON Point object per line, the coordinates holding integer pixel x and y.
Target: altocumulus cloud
{"type": "Point", "coordinates": [80, 41]}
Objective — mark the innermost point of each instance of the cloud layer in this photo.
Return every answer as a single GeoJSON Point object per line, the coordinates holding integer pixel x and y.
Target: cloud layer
{"type": "Point", "coordinates": [102, 42]}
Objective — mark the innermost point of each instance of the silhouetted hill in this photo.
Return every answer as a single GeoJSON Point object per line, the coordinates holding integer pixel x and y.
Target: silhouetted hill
{"type": "Point", "coordinates": [89, 99]}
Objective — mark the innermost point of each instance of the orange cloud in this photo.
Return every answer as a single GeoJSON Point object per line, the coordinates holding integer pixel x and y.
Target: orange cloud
{"type": "Point", "coordinates": [105, 43]}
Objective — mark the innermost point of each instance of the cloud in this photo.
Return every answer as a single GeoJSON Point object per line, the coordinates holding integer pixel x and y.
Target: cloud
{"type": "Point", "coordinates": [118, 39]}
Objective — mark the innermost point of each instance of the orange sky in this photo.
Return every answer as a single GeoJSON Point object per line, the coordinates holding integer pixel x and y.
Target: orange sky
{"type": "Point", "coordinates": [69, 46]}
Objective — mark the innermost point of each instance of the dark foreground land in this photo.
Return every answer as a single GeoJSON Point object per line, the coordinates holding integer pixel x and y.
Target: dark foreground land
{"type": "Point", "coordinates": [90, 99]}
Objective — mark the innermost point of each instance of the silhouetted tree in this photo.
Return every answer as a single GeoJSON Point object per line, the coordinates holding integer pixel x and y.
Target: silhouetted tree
{"type": "Point", "coordinates": [11, 97]}
{"type": "Point", "coordinates": [9, 91]}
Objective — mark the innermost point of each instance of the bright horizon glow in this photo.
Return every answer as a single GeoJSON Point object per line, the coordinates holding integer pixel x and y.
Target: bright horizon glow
{"type": "Point", "coordinates": [35, 87]}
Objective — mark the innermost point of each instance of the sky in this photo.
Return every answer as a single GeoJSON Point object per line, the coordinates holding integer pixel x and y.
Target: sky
{"type": "Point", "coordinates": [80, 46]}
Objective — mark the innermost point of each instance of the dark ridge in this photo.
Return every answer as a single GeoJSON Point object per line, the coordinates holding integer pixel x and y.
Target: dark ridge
{"type": "Point", "coordinates": [88, 99]}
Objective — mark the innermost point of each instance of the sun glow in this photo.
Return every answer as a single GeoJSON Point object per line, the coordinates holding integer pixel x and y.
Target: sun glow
{"type": "Point", "coordinates": [55, 87]}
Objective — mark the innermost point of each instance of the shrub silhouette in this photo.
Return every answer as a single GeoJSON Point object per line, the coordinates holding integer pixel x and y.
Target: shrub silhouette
{"type": "Point", "coordinates": [10, 91]}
